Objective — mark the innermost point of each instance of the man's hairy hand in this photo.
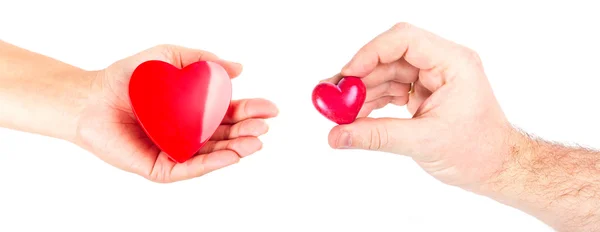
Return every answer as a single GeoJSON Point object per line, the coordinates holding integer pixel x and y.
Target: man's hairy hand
{"type": "Point", "coordinates": [558, 184]}
{"type": "Point", "coordinates": [458, 132]}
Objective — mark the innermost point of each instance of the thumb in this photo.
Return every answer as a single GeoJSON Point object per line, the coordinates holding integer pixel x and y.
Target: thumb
{"type": "Point", "coordinates": [382, 134]}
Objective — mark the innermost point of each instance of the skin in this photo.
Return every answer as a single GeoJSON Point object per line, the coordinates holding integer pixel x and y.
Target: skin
{"type": "Point", "coordinates": [91, 109]}
{"type": "Point", "coordinates": [459, 134]}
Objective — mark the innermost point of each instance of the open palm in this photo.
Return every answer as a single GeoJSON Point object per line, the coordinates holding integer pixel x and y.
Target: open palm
{"type": "Point", "coordinates": [108, 127]}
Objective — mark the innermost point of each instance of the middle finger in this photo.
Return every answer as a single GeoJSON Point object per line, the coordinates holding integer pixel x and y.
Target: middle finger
{"type": "Point", "coordinates": [249, 127]}
{"type": "Point", "coordinates": [400, 71]}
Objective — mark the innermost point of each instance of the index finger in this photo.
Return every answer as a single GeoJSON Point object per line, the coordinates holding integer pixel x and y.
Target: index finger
{"type": "Point", "coordinates": [418, 47]}
{"type": "Point", "coordinates": [334, 79]}
{"type": "Point", "coordinates": [243, 109]}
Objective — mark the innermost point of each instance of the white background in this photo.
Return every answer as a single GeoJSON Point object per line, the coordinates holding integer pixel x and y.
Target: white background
{"type": "Point", "coordinates": [542, 60]}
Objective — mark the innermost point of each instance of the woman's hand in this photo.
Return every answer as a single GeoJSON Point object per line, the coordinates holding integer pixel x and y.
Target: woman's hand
{"type": "Point", "coordinates": [108, 128]}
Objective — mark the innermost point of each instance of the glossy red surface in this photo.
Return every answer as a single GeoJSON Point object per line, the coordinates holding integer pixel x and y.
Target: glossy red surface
{"type": "Point", "coordinates": [340, 103]}
{"type": "Point", "coordinates": [180, 109]}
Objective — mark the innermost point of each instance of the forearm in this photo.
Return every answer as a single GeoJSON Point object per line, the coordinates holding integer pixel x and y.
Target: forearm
{"type": "Point", "coordinates": [557, 184]}
{"type": "Point", "coordinates": [39, 94]}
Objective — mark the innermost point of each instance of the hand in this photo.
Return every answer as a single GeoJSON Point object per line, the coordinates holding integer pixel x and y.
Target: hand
{"type": "Point", "coordinates": [108, 127]}
{"type": "Point", "coordinates": [458, 133]}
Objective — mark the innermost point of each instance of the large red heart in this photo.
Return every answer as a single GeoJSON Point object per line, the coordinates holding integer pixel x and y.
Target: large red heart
{"type": "Point", "coordinates": [340, 103]}
{"type": "Point", "coordinates": [179, 109]}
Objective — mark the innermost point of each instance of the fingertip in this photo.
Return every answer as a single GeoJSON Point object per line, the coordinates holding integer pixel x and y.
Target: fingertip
{"type": "Point", "coordinates": [260, 146]}
{"type": "Point", "coordinates": [267, 128]}
{"type": "Point", "coordinates": [333, 80]}
{"type": "Point", "coordinates": [351, 135]}
{"type": "Point", "coordinates": [365, 110]}
{"type": "Point", "coordinates": [246, 146]}
{"type": "Point", "coordinates": [258, 127]}
{"type": "Point", "coordinates": [340, 137]}
{"type": "Point", "coordinates": [237, 67]}
{"type": "Point", "coordinates": [269, 108]}
{"type": "Point", "coordinates": [347, 70]}
{"type": "Point", "coordinates": [243, 109]}
{"type": "Point", "coordinates": [233, 69]}
{"type": "Point", "coordinates": [264, 128]}
{"type": "Point", "coordinates": [274, 110]}
{"type": "Point", "coordinates": [350, 68]}
{"type": "Point", "coordinates": [261, 107]}
{"type": "Point", "coordinates": [361, 64]}
{"type": "Point", "coordinates": [332, 138]}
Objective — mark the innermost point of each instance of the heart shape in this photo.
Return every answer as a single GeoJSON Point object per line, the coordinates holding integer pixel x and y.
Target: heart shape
{"type": "Point", "coordinates": [180, 109]}
{"type": "Point", "coordinates": [340, 103]}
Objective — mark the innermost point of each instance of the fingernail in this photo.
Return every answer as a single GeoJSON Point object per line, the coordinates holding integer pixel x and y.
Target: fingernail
{"type": "Point", "coordinates": [345, 141]}
{"type": "Point", "coordinates": [259, 130]}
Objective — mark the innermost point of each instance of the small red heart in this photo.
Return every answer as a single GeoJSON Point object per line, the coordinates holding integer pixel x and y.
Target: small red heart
{"type": "Point", "coordinates": [340, 103]}
{"type": "Point", "coordinates": [180, 109]}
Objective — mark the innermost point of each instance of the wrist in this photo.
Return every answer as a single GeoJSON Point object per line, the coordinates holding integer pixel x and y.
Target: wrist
{"type": "Point", "coordinates": [78, 89]}
{"type": "Point", "coordinates": [62, 97]}
{"type": "Point", "coordinates": [39, 94]}
{"type": "Point", "coordinates": [516, 183]}
{"type": "Point", "coordinates": [518, 152]}
{"type": "Point", "coordinates": [45, 102]}
{"type": "Point", "coordinates": [554, 183]}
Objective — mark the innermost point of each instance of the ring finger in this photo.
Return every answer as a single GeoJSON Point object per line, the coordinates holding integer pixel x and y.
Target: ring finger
{"type": "Point", "coordinates": [379, 103]}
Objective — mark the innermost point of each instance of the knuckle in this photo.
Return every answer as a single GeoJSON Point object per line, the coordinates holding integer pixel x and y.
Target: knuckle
{"type": "Point", "coordinates": [400, 101]}
{"type": "Point", "coordinates": [472, 57]}
{"type": "Point", "coordinates": [388, 88]}
{"type": "Point", "coordinates": [239, 128]}
{"type": "Point", "coordinates": [157, 177]}
{"type": "Point", "coordinates": [384, 101]}
{"type": "Point", "coordinates": [228, 132]}
{"type": "Point", "coordinates": [398, 89]}
{"type": "Point", "coordinates": [160, 181]}
{"type": "Point", "coordinates": [207, 147]}
{"type": "Point", "coordinates": [393, 70]}
{"type": "Point", "coordinates": [373, 144]}
{"type": "Point", "coordinates": [240, 111]}
{"type": "Point", "coordinates": [231, 146]}
{"type": "Point", "coordinates": [163, 48]}
{"type": "Point", "coordinates": [245, 109]}
{"type": "Point", "coordinates": [402, 26]}
{"type": "Point", "coordinates": [378, 138]}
